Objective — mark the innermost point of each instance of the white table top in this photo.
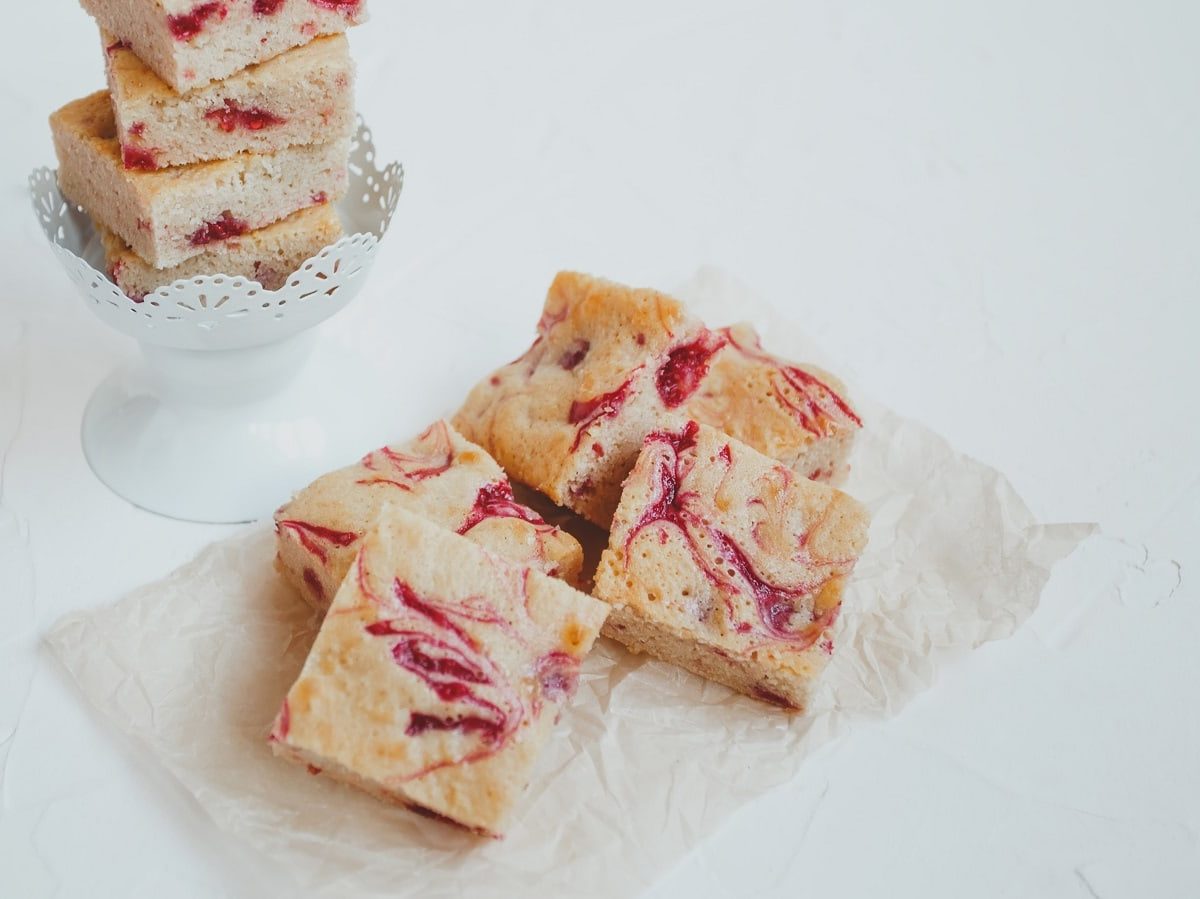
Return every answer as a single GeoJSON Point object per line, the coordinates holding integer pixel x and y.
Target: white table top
{"type": "Point", "coordinates": [991, 216]}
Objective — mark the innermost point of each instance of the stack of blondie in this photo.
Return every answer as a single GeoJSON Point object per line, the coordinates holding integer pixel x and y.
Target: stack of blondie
{"type": "Point", "coordinates": [221, 141]}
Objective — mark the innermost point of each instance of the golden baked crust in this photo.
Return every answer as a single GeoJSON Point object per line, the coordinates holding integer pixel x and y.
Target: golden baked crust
{"type": "Point", "coordinates": [437, 674]}
{"type": "Point", "coordinates": [438, 475]}
{"type": "Point", "coordinates": [797, 414]}
{"type": "Point", "coordinates": [567, 417]}
{"type": "Point", "coordinates": [726, 563]}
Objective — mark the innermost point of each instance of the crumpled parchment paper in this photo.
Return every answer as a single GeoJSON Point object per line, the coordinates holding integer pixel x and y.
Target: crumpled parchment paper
{"type": "Point", "coordinates": [647, 761]}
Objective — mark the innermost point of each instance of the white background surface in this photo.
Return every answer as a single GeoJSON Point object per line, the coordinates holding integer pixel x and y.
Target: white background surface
{"type": "Point", "coordinates": [990, 212]}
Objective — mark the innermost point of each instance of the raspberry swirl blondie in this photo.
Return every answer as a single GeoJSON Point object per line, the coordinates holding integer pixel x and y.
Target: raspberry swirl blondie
{"type": "Point", "coordinates": [797, 414]}
{"type": "Point", "coordinates": [437, 674]}
{"type": "Point", "coordinates": [726, 563]}
{"type": "Point", "coordinates": [269, 255]}
{"type": "Point", "coordinates": [568, 417]}
{"type": "Point", "coordinates": [438, 475]}
{"type": "Point", "coordinates": [305, 96]}
{"type": "Point", "coordinates": [189, 43]}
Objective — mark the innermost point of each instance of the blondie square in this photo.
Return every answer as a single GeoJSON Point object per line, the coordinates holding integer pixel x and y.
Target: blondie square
{"type": "Point", "coordinates": [568, 417]}
{"type": "Point", "coordinates": [438, 475]}
{"type": "Point", "coordinates": [437, 674]}
{"type": "Point", "coordinates": [797, 414]}
{"type": "Point", "coordinates": [728, 564]}
{"type": "Point", "coordinates": [189, 43]}
{"type": "Point", "coordinates": [303, 96]}
{"type": "Point", "coordinates": [268, 256]}
{"type": "Point", "coordinates": [170, 215]}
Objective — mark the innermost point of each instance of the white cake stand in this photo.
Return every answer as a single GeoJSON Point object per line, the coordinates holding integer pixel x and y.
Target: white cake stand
{"type": "Point", "coordinates": [227, 412]}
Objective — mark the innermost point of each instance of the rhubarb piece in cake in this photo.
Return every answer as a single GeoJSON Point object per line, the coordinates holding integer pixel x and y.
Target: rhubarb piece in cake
{"type": "Point", "coordinates": [304, 96]}
{"type": "Point", "coordinates": [174, 214]}
{"type": "Point", "coordinates": [437, 674]}
{"type": "Point", "coordinates": [268, 256]}
{"type": "Point", "coordinates": [726, 563]}
{"type": "Point", "coordinates": [439, 475]}
{"type": "Point", "coordinates": [189, 43]}
{"type": "Point", "coordinates": [568, 417]}
{"type": "Point", "coordinates": [797, 414]}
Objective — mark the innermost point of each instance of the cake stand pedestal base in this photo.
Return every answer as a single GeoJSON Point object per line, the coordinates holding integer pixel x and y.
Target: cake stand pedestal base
{"type": "Point", "coordinates": [223, 437]}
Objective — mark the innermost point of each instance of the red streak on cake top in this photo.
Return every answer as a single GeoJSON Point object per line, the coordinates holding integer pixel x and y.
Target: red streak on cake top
{"type": "Point", "coordinates": [420, 722]}
{"type": "Point", "coordinates": [186, 26]}
{"type": "Point", "coordinates": [731, 570]}
{"type": "Point", "coordinates": [573, 356]}
{"type": "Point", "coordinates": [817, 407]}
{"type": "Point", "coordinates": [436, 458]}
{"type": "Point", "coordinates": [586, 413]}
{"type": "Point", "coordinates": [665, 505]}
{"type": "Point", "coordinates": [232, 116]}
{"type": "Point", "coordinates": [402, 464]}
{"type": "Point", "coordinates": [315, 538]}
{"type": "Point", "coordinates": [223, 228]}
{"type": "Point", "coordinates": [434, 647]}
{"type": "Point", "coordinates": [267, 7]}
{"type": "Point", "coordinates": [686, 365]}
{"type": "Point", "coordinates": [776, 604]}
{"type": "Point", "coordinates": [138, 158]}
{"type": "Point", "coordinates": [495, 500]}
{"type": "Point", "coordinates": [342, 6]}
{"type": "Point", "coordinates": [314, 584]}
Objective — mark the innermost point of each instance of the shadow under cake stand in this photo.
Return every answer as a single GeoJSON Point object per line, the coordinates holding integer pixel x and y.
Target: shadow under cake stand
{"type": "Point", "coordinates": [227, 412]}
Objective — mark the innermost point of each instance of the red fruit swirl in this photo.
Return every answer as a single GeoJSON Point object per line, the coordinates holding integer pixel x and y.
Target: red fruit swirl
{"type": "Point", "coordinates": [586, 413]}
{"type": "Point", "coordinates": [138, 158]}
{"type": "Point", "coordinates": [436, 459]}
{"type": "Point", "coordinates": [574, 354]}
{"type": "Point", "coordinates": [428, 642]}
{"type": "Point", "coordinates": [818, 408]}
{"type": "Point", "coordinates": [495, 500]}
{"type": "Point", "coordinates": [219, 229]}
{"type": "Point", "coordinates": [314, 585]}
{"type": "Point", "coordinates": [186, 26]}
{"type": "Point", "coordinates": [731, 570]}
{"type": "Point", "coordinates": [315, 538]}
{"type": "Point", "coordinates": [233, 116]}
{"type": "Point", "coordinates": [686, 366]}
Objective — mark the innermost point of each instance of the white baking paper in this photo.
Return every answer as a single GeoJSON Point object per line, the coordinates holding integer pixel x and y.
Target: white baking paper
{"type": "Point", "coordinates": [648, 760]}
